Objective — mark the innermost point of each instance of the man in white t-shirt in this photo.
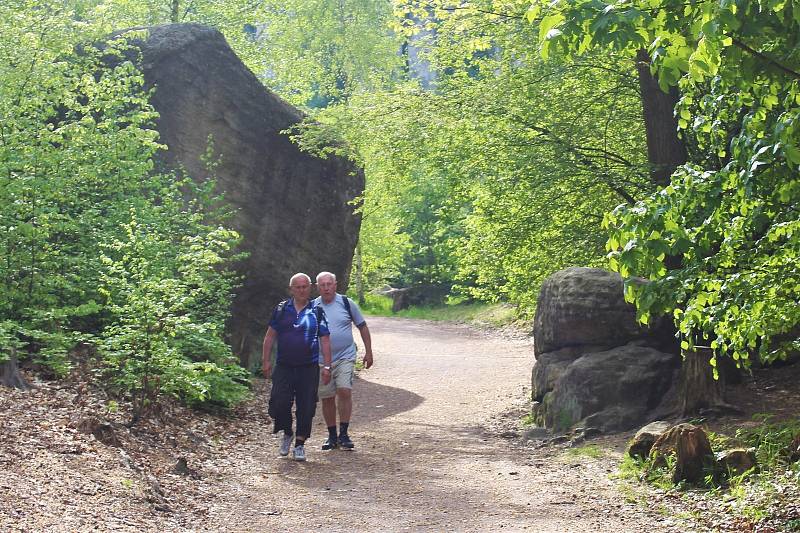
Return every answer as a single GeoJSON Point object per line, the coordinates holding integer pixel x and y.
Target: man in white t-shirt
{"type": "Point", "coordinates": [341, 313]}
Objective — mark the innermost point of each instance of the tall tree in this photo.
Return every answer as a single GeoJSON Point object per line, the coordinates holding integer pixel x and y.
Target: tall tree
{"type": "Point", "coordinates": [732, 218]}
{"type": "Point", "coordinates": [665, 150]}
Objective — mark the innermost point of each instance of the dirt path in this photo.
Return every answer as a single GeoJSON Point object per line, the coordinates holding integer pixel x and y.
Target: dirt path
{"type": "Point", "coordinates": [429, 456]}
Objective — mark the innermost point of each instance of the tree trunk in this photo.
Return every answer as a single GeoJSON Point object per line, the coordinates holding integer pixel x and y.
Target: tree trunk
{"type": "Point", "coordinates": [174, 12]}
{"type": "Point", "coordinates": [665, 151]}
{"type": "Point", "coordinates": [697, 387]}
{"type": "Point", "coordinates": [360, 276]}
{"type": "Point", "coordinates": [9, 373]}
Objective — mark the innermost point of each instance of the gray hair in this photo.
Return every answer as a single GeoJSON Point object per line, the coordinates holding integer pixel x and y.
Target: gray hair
{"type": "Point", "coordinates": [299, 275]}
{"type": "Point", "coordinates": [325, 273]}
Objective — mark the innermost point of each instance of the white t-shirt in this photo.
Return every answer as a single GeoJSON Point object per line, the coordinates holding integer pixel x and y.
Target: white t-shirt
{"type": "Point", "coordinates": [341, 326]}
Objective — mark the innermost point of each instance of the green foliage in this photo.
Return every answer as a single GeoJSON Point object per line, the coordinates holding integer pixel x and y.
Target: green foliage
{"type": "Point", "coordinates": [731, 217]}
{"type": "Point", "coordinates": [500, 173]}
{"type": "Point", "coordinates": [73, 146]}
{"type": "Point", "coordinates": [315, 52]}
{"type": "Point", "coordinates": [375, 304]}
{"type": "Point", "coordinates": [161, 294]}
{"type": "Point", "coordinates": [312, 52]}
{"type": "Point", "coordinates": [771, 439]}
{"type": "Point", "coordinates": [97, 246]}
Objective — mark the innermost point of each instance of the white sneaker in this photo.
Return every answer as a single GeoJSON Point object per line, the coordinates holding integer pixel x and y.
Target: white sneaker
{"type": "Point", "coordinates": [286, 443]}
{"type": "Point", "coordinates": [299, 453]}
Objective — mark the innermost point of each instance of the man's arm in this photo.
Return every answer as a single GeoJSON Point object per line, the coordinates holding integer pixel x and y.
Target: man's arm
{"type": "Point", "coordinates": [266, 352]}
{"type": "Point", "coordinates": [364, 330]}
{"type": "Point", "coordinates": [325, 344]}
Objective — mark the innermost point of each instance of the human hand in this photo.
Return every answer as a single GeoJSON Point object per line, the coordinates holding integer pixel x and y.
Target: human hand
{"type": "Point", "coordinates": [326, 376]}
{"type": "Point", "coordinates": [367, 359]}
{"type": "Point", "coordinates": [267, 370]}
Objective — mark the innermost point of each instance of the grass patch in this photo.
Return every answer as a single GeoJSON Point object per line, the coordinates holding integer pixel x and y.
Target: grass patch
{"type": "Point", "coordinates": [770, 439]}
{"type": "Point", "coordinates": [375, 304]}
{"type": "Point", "coordinates": [480, 312]}
{"type": "Point", "coordinates": [590, 451]}
{"type": "Point", "coordinates": [528, 420]}
{"type": "Point", "coordinates": [491, 314]}
{"type": "Point", "coordinates": [630, 468]}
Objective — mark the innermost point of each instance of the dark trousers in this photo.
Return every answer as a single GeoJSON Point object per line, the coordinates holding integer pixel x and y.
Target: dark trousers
{"type": "Point", "coordinates": [294, 384]}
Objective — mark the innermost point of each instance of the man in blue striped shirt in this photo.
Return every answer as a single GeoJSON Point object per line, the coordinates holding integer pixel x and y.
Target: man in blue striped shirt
{"type": "Point", "coordinates": [301, 330]}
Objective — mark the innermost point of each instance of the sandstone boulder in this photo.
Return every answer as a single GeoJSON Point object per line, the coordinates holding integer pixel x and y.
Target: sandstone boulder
{"type": "Point", "coordinates": [594, 363]}
{"type": "Point", "coordinates": [293, 209]}
{"type": "Point", "coordinates": [612, 390]}
{"type": "Point", "coordinates": [550, 367]}
{"type": "Point", "coordinates": [399, 299]}
{"type": "Point", "coordinates": [581, 306]}
{"type": "Point", "coordinates": [736, 461]}
{"type": "Point", "coordinates": [644, 439]}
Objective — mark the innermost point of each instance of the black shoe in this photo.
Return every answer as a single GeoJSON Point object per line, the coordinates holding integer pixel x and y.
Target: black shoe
{"type": "Point", "coordinates": [345, 443]}
{"type": "Point", "coordinates": [330, 444]}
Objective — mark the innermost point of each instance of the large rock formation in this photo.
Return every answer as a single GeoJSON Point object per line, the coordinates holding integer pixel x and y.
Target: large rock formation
{"type": "Point", "coordinates": [585, 307]}
{"type": "Point", "coordinates": [293, 209]}
{"type": "Point", "coordinates": [595, 366]}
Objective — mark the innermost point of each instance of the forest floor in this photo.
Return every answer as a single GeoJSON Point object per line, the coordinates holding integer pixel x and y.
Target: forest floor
{"type": "Point", "coordinates": [438, 430]}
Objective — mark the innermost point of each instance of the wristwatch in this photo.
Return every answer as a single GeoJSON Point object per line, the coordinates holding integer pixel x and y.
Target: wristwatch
{"type": "Point", "coordinates": [326, 368]}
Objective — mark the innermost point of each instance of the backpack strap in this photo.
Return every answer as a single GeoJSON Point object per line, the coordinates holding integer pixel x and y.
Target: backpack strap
{"type": "Point", "coordinates": [277, 314]}
{"type": "Point", "coordinates": [282, 307]}
{"type": "Point", "coordinates": [318, 315]}
{"type": "Point", "coordinates": [346, 302]}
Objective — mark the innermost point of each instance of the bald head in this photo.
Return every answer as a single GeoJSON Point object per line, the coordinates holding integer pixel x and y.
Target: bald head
{"type": "Point", "coordinates": [299, 276]}
{"type": "Point", "coordinates": [324, 274]}
{"type": "Point", "coordinates": [300, 287]}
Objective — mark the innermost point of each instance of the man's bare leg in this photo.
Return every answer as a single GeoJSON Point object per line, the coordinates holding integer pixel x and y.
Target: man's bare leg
{"type": "Point", "coordinates": [344, 402]}
{"type": "Point", "coordinates": [329, 411]}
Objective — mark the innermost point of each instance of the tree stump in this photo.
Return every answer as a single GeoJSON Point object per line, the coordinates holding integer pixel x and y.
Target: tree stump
{"type": "Point", "coordinates": [794, 449]}
{"type": "Point", "coordinates": [10, 375]}
{"type": "Point", "coordinates": [102, 431]}
{"type": "Point", "coordinates": [693, 454]}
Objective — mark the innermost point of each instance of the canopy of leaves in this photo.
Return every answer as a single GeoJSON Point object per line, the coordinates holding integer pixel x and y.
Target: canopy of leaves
{"type": "Point", "coordinates": [500, 173]}
{"type": "Point", "coordinates": [311, 52]}
{"type": "Point", "coordinates": [731, 215]}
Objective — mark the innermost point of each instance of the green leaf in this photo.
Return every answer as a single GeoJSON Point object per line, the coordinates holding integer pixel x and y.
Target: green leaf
{"type": "Point", "coordinates": [547, 24]}
{"type": "Point", "coordinates": [533, 11]}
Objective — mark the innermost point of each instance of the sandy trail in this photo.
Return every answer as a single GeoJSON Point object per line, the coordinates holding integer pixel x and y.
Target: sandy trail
{"type": "Point", "coordinates": [428, 456]}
